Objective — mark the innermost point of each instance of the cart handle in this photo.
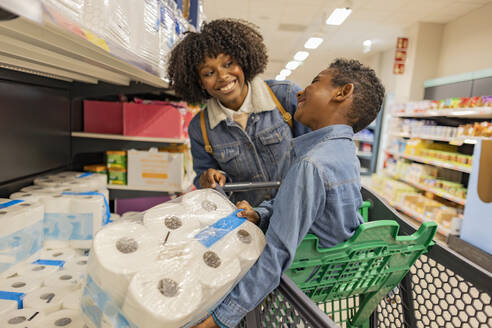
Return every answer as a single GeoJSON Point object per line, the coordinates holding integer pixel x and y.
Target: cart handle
{"type": "Point", "coordinates": [248, 186]}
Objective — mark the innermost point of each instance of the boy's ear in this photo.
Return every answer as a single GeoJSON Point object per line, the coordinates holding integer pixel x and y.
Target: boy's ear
{"type": "Point", "coordinates": [344, 92]}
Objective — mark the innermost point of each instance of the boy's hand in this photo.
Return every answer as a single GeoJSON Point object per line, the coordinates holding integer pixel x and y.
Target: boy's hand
{"type": "Point", "coordinates": [210, 177]}
{"type": "Point", "coordinates": [249, 213]}
{"type": "Point", "coordinates": [207, 323]}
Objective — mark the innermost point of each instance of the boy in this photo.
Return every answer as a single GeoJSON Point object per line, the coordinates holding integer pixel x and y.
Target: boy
{"type": "Point", "coordinates": [321, 191]}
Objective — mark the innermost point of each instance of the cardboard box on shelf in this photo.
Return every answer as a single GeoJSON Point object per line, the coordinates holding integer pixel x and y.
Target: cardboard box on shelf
{"type": "Point", "coordinates": [169, 170]}
{"type": "Point", "coordinates": [103, 117]}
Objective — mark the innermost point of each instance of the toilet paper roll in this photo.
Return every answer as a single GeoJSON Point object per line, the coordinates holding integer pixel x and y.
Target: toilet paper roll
{"type": "Point", "coordinates": [164, 295]}
{"type": "Point", "coordinates": [136, 217]}
{"type": "Point", "coordinates": [55, 244]}
{"type": "Point", "coordinates": [25, 318]}
{"type": "Point", "coordinates": [172, 225]}
{"type": "Point", "coordinates": [207, 205]}
{"type": "Point", "coordinates": [58, 254]}
{"type": "Point", "coordinates": [63, 318]}
{"type": "Point", "coordinates": [114, 217]}
{"type": "Point", "coordinates": [38, 191]}
{"type": "Point", "coordinates": [216, 267]}
{"type": "Point", "coordinates": [71, 301]}
{"type": "Point", "coordinates": [78, 264]}
{"type": "Point", "coordinates": [246, 242]}
{"type": "Point", "coordinates": [20, 285]}
{"type": "Point", "coordinates": [46, 299]}
{"type": "Point", "coordinates": [39, 271]}
{"type": "Point", "coordinates": [7, 306]}
{"type": "Point", "coordinates": [65, 278]}
{"type": "Point", "coordinates": [119, 251]}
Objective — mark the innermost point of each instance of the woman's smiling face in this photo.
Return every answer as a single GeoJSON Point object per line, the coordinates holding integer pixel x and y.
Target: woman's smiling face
{"type": "Point", "coordinates": [223, 78]}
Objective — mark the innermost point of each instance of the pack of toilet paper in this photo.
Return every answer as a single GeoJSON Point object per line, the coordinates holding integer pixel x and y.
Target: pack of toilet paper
{"type": "Point", "coordinates": [82, 180]}
{"type": "Point", "coordinates": [44, 289]}
{"type": "Point", "coordinates": [70, 218]}
{"type": "Point", "coordinates": [21, 235]}
{"type": "Point", "coordinates": [171, 266]}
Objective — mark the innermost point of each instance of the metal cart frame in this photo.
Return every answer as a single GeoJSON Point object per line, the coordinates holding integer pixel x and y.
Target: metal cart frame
{"type": "Point", "coordinates": [442, 289]}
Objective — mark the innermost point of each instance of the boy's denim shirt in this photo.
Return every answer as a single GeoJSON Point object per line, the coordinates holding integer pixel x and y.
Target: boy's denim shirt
{"type": "Point", "coordinates": [259, 153]}
{"type": "Point", "coordinates": [321, 195]}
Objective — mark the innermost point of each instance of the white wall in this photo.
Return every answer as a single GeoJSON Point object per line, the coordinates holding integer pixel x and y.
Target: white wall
{"type": "Point", "coordinates": [467, 43]}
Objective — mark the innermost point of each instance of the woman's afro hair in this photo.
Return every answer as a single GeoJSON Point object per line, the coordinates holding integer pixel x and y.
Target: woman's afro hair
{"type": "Point", "coordinates": [236, 38]}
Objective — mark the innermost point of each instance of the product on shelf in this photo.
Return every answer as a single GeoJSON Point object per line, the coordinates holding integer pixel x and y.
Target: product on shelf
{"type": "Point", "coordinates": [96, 168]}
{"type": "Point", "coordinates": [116, 159]}
{"type": "Point", "coordinates": [117, 176]}
{"type": "Point", "coordinates": [424, 106]}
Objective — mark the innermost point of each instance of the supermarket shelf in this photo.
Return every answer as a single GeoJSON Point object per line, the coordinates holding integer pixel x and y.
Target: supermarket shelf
{"type": "Point", "coordinates": [59, 53]}
{"type": "Point", "coordinates": [147, 188]}
{"type": "Point", "coordinates": [409, 212]}
{"type": "Point", "coordinates": [363, 140]}
{"type": "Point", "coordinates": [477, 112]}
{"type": "Point", "coordinates": [129, 138]}
{"type": "Point", "coordinates": [458, 140]}
{"type": "Point", "coordinates": [432, 162]}
{"type": "Point", "coordinates": [435, 191]}
{"type": "Point", "coordinates": [364, 155]}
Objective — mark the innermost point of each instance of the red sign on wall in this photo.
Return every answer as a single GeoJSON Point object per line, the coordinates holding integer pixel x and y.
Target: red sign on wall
{"type": "Point", "coordinates": [400, 55]}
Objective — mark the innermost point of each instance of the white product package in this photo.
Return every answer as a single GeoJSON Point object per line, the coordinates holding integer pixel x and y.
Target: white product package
{"type": "Point", "coordinates": [72, 179]}
{"type": "Point", "coordinates": [62, 318]}
{"type": "Point", "coordinates": [169, 269]}
{"type": "Point", "coordinates": [46, 299]}
{"type": "Point", "coordinates": [25, 318]}
{"type": "Point", "coordinates": [21, 234]}
{"type": "Point", "coordinates": [70, 218]}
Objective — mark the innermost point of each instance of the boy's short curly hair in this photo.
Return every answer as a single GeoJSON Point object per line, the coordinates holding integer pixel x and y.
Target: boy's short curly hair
{"type": "Point", "coordinates": [368, 91]}
{"type": "Point", "coordinates": [236, 38]}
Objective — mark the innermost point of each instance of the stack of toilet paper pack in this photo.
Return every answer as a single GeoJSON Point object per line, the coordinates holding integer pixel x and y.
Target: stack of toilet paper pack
{"type": "Point", "coordinates": [44, 291]}
{"type": "Point", "coordinates": [75, 205]}
{"type": "Point", "coordinates": [21, 235]}
{"type": "Point", "coordinates": [169, 266]}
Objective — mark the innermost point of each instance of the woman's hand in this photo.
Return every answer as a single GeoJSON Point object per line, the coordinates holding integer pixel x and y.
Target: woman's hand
{"type": "Point", "coordinates": [249, 213]}
{"type": "Point", "coordinates": [210, 177]}
{"type": "Point", "coordinates": [207, 323]}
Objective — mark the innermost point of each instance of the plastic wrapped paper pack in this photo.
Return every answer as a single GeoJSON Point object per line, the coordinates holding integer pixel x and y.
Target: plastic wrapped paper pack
{"type": "Point", "coordinates": [70, 218]}
{"type": "Point", "coordinates": [70, 178]}
{"type": "Point", "coordinates": [170, 268]}
{"type": "Point", "coordinates": [21, 235]}
{"type": "Point", "coordinates": [72, 9]}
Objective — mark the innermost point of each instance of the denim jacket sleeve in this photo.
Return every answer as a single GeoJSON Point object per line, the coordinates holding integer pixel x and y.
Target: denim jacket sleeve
{"type": "Point", "coordinates": [202, 160]}
{"type": "Point", "coordinates": [264, 210]}
{"type": "Point", "coordinates": [286, 92]}
{"type": "Point", "coordinates": [293, 214]}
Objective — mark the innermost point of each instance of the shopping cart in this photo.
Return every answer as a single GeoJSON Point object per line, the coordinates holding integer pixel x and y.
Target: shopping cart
{"type": "Point", "coordinates": [442, 289]}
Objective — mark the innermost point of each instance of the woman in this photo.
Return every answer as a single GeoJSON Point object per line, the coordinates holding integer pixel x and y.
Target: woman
{"type": "Point", "coordinates": [244, 133]}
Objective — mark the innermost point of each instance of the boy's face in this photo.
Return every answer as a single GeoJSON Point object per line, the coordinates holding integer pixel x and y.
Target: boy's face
{"type": "Point", "coordinates": [223, 78]}
{"type": "Point", "coordinates": [315, 100]}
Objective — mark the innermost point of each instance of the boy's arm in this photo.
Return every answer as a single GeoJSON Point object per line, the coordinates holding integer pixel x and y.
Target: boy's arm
{"type": "Point", "coordinates": [300, 200]}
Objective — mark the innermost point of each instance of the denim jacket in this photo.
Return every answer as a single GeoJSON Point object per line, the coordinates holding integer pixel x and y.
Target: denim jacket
{"type": "Point", "coordinates": [261, 152]}
{"type": "Point", "coordinates": [321, 195]}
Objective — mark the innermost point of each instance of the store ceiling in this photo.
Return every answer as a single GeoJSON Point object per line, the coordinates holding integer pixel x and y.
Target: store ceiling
{"type": "Point", "coordinates": [287, 24]}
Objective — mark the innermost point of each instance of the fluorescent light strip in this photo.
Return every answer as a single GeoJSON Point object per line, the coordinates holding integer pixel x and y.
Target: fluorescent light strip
{"type": "Point", "coordinates": [279, 77]}
{"type": "Point", "coordinates": [338, 16]}
{"type": "Point", "coordinates": [313, 43]}
{"type": "Point", "coordinates": [292, 65]}
{"type": "Point", "coordinates": [285, 72]}
{"type": "Point", "coordinates": [301, 55]}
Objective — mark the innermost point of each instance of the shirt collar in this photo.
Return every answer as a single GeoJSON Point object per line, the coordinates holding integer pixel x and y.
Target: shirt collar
{"type": "Point", "coordinates": [260, 101]}
{"type": "Point", "coordinates": [303, 144]}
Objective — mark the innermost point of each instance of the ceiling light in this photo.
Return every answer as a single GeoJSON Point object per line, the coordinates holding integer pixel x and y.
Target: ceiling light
{"type": "Point", "coordinates": [285, 72]}
{"type": "Point", "coordinates": [338, 16]}
{"type": "Point", "coordinates": [292, 65]}
{"type": "Point", "coordinates": [313, 43]}
{"type": "Point", "coordinates": [366, 46]}
{"type": "Point", "coordinates": [301, 55]}
{"type": "Point", "coordinates": [279, 77]}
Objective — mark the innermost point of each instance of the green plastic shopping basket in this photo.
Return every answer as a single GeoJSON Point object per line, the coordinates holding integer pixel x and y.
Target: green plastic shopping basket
{"type": "Point", "coordinates": [349, 280]}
